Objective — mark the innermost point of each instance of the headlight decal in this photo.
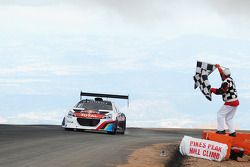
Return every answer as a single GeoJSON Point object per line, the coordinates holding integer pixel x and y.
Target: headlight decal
{"type": "Point", "coordinates": [107, 116]}
{"type": "Point", "coordinates": [71, 114]}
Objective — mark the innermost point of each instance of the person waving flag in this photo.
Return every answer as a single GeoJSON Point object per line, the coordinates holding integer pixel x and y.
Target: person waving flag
{"type": "Point", "coordinates": [230, 97]}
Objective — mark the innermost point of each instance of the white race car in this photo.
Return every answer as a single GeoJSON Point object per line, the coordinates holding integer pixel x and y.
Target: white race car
{"type": "Point", "coordinates": [96, 114]}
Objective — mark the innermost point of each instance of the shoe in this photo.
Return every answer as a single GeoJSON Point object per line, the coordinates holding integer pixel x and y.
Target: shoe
{"type": "Point", "coordinates": [222, 132]}
{"type": "Point", "coordinates": [232, 134]}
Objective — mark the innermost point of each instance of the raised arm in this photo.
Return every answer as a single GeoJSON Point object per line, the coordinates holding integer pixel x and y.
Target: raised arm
{"type": "Point", "coordinates": [220, 71]}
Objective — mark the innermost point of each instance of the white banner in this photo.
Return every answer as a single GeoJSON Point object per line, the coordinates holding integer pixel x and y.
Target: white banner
{"type": "Point", "coordinates": [202, 148]}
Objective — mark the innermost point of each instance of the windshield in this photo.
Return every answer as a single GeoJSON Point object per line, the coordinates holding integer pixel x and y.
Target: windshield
{"type": "Point", "coordinates": [94, 105]}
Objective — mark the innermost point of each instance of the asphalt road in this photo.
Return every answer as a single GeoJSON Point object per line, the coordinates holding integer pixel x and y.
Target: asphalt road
{"type": "Point", "coordinates": [52, 146]}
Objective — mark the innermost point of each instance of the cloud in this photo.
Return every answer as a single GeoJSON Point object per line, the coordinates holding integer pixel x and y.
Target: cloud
{"type": "Point", "coordinates": [140, 18]}
{"type": "Point", "coordinates": [20, 81]}
{"type": "Point", "coordinates": [245, 95]}
{"type": "Point", "coordinates": [43, 69]}
{"type": "Point", "coordinates": [3, 120]}
{"type": "Point", "coordinates": [176, 18]}
{"type": "Point", "coordinates": [230, 7]}
{"type": "Point", "coordinates": [89, 56]}
{"type": "Point", "coordinates": [49, 117]}
{"type": "Point", "coordinates": [156, 113]}
{"type": "Point", "coordinates": [242, 118]}
{"type": "Point", "coordinates": [44, 20]}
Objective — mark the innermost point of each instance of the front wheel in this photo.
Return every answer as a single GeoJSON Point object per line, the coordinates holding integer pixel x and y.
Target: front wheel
{"type": "Point", "coordinates": [63, 121]}
{"type": "Point", "coordinates": [114, 130]}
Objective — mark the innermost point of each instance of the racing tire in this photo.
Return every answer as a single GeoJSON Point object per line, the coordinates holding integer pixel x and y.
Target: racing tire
{"type": "Point", "coordinates": [63, 121]}
{"type": "Point", "coordinates": [123, 127]}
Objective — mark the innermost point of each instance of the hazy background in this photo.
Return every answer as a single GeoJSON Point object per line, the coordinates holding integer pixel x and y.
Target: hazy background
{"type": "Point", "coordinates": [51, 50]}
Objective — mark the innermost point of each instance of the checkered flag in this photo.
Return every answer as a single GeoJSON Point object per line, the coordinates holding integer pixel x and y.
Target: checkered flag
{"type": "Point", "coordinates": [205, 66]}
{"type": "Point", "coordinates": [203, 83]}
{"type": "Point", "coordinates": [201, 78]}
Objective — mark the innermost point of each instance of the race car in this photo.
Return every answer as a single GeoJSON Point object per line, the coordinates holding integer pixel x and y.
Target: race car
{"type": "Point", "coordinates": [96, 114]}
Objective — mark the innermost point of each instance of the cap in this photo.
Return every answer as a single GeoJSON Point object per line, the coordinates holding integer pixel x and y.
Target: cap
{"type": "Point", "coordinates": [227, 72]}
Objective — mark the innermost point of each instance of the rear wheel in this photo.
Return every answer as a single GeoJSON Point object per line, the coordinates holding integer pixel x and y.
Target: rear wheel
{"type": "Point", "coordinates": [123, 127]}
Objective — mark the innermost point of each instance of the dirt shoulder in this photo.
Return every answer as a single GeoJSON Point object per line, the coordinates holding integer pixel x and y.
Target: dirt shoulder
{"type": "Point", "coordinates": [151, 156]}
{"type": "Point", "coordinates": [167, 155]}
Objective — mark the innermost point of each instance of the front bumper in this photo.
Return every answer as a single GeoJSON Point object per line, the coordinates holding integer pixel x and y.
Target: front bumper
{"type": "Point", "coordinates": [89, 124]}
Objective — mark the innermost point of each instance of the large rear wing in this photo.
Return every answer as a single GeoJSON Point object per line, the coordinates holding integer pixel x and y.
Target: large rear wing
{"type": "Point", "coordinates": [104, 95]}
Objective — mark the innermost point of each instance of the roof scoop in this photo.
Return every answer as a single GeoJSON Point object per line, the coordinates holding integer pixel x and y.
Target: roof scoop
{"type": "Point", "coordinates": [98, 99]}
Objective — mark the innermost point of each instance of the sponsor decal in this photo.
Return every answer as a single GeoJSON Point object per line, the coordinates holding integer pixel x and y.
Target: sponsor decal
{"type": "Point", "coordinates": [203, 148]}
{"type": "Point", "coordinates": [109, 127]}
{"type": "Point", "coordinates": [83, 115]}
{"type": "Point", "coordinates": [88, 114]}
{"type": "Point", "coordinates": [104, 124]}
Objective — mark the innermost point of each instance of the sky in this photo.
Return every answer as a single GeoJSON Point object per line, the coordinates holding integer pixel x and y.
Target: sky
{"type": "Point", "coordinates": [51, 50]}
